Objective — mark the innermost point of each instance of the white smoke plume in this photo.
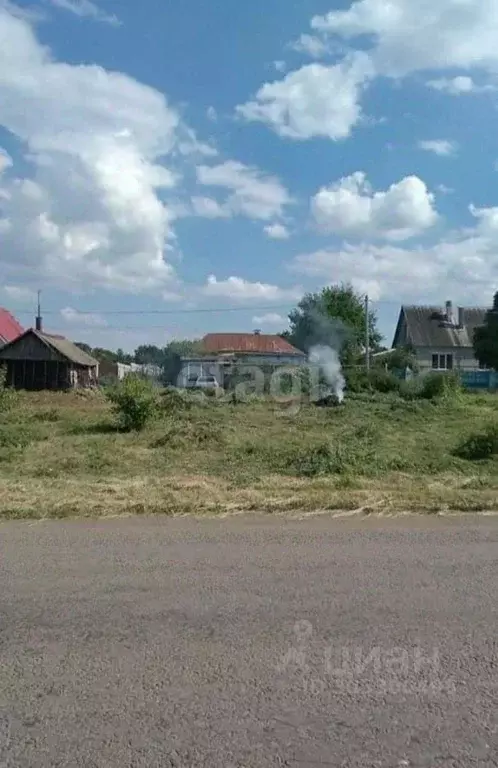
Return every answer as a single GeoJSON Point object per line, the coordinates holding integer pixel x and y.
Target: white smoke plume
{"type": "Point", "coordinates": [329, 364]}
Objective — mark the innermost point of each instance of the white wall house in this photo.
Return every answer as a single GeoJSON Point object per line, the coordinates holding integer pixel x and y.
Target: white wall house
{"type": "Point", "coordinates": [442, 339]}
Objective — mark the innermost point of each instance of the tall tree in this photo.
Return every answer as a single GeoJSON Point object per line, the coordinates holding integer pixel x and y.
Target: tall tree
{"type": "Point", "coordinates": [334, 317]}
{"type": "Point", "coordinates": [172, 358]}
{"type": "Point", "coordinates": [486, 338]}
{"type": "Point", "coordinates": [149, 354]}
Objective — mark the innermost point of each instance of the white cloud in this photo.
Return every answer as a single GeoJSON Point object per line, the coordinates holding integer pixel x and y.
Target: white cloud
{"type": "Point", "coordinates": [315, 100]}
{"type": "Point", "coordinates": [463, 268]}
{"type": "Point", "coordinates": [277, 231]}
{"type": "Point", "coordinates": [461, 85]}
{"type": "Point", "coordinates": [74, 317]}
{"type": "Point", "coordinates": [91, 212]}
{"type": "Point", "coordinates": [270, 319]}
{"type": "Point", "coordinates": [5, 160]}
{"type": "Point", "coordinates": [209, 208]}
{"type": "Point", "coordinates": [444, 189]}
{"type": "Point", "coordinates": [212, 114]}
{"type": "Point", "coordinates": [19, 293]}
{"type": "Point", "coordinates": [311, 45]}
{"type": "Point", "coordinates": [252, 193]}
{"type": "Point", "coordinates": [86, 9]}
{"type": "Point", "coordinates": [426, 35]}
{"type": "Point", "coordinates": [238, 289]}
{"type": "Point", "coordinates": [441, 147]}
{"type": "Point", "coordinates": [280, 66]}
{"type": "Point", "coordinates": [351, 207]}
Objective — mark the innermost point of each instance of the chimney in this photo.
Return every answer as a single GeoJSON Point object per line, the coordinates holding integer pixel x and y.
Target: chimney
{"type": "Point", "coordinates": [461, 317]}
{"type": "Point", "coordinates": [449, 312]}
{"type": "Point", "coordinates": [39, 323]}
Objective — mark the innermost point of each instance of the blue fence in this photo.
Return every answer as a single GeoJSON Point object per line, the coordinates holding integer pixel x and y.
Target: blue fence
{"type": "Point", "coordinates": [480, 379]}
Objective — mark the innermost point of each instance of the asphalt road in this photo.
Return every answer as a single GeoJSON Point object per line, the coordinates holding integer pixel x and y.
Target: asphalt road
{"type": "Point", "coordinates": [246, 643]}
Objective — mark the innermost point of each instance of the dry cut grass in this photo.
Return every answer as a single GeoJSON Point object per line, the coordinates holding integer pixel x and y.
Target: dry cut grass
{"type": "Point", "coordinates": [61, 455]}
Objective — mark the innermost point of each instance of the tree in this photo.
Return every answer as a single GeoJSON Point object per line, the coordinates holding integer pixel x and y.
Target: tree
{"type": "Point", "coordinates": [486, 338]}
{"type": "Point", "coordinates": [334, 317]}
{"type": "Point", "coordinates": [149, 354]}
{"type": "Point", "coordinates": [85, 347]}
{"type": "Point", "coordinates": [172, 358]}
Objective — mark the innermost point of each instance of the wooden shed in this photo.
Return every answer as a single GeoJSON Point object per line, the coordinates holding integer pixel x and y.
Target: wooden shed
{"type": "Point", "coordinates": [38, 360]}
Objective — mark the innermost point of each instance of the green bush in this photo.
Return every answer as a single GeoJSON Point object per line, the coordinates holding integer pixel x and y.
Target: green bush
{"type": "Point", "coordinates": [8, 396]}
{"type": "Point", "coordinates": [356, 380]}
{"type": "Point", "coordinates": [381, 380]}
{"type": "Point", "coordinates": [440, 385]}
{"type": "Point", "coordinates": [134, 401]}
{"type": "Point", "coordinates": [479, 445]}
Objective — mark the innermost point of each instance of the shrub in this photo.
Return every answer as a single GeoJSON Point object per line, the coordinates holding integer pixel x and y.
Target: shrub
{"type": "Point", "coordinates": [356, 380]}
{"type": "Point", "coordinates": [8, 396]}
{"type": "Point", "coordinates": [480, 445]}
{"type": "Point", "coordinates": [440, 385]}
{"type": "Point", "coordinates": [383, 381]}
{"type": "Point", "coordinates": [134, 401]}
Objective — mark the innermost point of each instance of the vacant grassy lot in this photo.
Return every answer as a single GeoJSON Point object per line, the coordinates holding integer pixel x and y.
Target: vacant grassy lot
{"type": "Point", "coordinates": [61, 455]}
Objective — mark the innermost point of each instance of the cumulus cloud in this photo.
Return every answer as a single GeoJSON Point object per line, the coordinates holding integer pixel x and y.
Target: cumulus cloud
{"type": "Point", "coordinates": [463, 267]}
{"type": "Point", "coordinates": [208, 208]}
{"type": "Point", "coordinates": [251, 193]}
{"type": "Point", "coordinates": [277, 231]}
{"type": "Point", "coordinates": [238, 289]}
{"type": "Point", "coordinates": [18, 293]}
{"type": "Point", "coordinates": [315, 100]}
{"type": "Point", "coordinates": [441, 147]}
{"type": "Point", "coordinates": [269, 320]}
{"type": "Point", "coordinates": [92, 211]}
{"type": "Point", "coordinates": [86, 9]}
{"type": "Point", "coordinates": [74, 317]}
{"type": "Point", "coordinates": [351, 207]}
{"type": "Point", "coordinates": [311, 45]}
{"type": "Point", "coordinates": [426, 35]}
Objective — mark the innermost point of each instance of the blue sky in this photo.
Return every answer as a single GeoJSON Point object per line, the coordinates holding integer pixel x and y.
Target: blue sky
{"type": "Point", "coordinates": [175, 157]}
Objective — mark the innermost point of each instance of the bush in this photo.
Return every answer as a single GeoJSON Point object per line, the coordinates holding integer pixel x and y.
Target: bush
{"type": "Point", "coordinates": [8, 396]}
{"type": "Point", "coordinates": [440, 385]}
{"type": "Point", "coordinates": [383, 381]}
{"type": "Point", "coordinates": [134, 401]}
{"type": "Point", "coordinates": [356, 380]}
{"type": "Point", "coordinates": [480, 445]}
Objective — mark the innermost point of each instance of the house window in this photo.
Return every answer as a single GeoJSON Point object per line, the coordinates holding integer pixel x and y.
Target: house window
{"type": "Point", "coordinates": [483, 367]}
{"type": "Point", "coordinates": [442, 362]}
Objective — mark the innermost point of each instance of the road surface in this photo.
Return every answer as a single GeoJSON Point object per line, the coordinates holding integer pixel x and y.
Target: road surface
{"type": "Point", "coordinates": [246, 643]}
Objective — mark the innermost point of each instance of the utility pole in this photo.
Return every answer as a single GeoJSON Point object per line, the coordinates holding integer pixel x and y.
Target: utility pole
{"type": "Point", "coordinates": [367, 334]}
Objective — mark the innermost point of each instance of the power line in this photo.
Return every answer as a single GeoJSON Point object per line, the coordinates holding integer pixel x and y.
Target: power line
{"type": "Point", "coordinates": [265, 308]}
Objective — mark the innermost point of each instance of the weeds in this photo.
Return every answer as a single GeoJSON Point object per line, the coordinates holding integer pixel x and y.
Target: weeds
{"type": "Point", "coordinates": [480, 445]}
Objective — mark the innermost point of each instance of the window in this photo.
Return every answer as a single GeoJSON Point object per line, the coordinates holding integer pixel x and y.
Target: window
{"type": "Point", "coordinates": [442, 362]}
{"type": "Point", "coordinates": [483, 367]}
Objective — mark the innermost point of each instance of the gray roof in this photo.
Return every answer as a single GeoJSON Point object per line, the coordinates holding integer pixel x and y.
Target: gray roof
{"type": "Point", "coordinates": [427, 328]}
{"type": "Point", "coordinates": [63, 346]}
{"type": "Point", "coordinates": [68, 349]}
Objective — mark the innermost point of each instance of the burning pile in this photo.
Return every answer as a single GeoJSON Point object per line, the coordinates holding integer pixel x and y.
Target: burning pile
{"type": "Point", "coordinates": [329, 364]}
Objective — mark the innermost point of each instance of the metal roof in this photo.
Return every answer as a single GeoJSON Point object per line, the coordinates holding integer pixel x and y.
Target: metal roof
{"type": "Point", "coordinates": [9, 327]}
{"type": "Point", "coordinates": [68, 349]}
{"type": "Point", "coordinates": [427, 327]}
{"type": "Point", "coordinates": [255, 343]}
{"type": "Point", "coordinates": [63, 346]}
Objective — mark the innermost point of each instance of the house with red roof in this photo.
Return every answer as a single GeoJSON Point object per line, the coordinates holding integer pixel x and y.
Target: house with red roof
{"type": "Point", "coordinates": [221, 351]}
{"type": "Point", "coordinates": [10, 329]}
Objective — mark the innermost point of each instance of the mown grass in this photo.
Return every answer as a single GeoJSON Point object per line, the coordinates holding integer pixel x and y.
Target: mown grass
{"type": "Point", "coordinates": [62, 455]}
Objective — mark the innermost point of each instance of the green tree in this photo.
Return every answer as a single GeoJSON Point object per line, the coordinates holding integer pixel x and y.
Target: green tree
{"type": "Point", "coordinates": [335, 317]}
{"type": "Point", "coordinates": [172, 358]}
{"type": "Point", "coordinates": [149, 354]}
{"type": "Point", "coordinates": [486, 338]}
